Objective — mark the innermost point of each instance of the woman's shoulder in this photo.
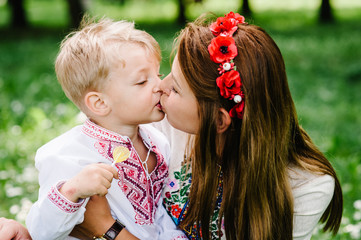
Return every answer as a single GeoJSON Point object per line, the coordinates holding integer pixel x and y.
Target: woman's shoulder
{"type": "Point", "coordinates": [312, 193]}
{"type": "Point", "coordinates": [303, 181]}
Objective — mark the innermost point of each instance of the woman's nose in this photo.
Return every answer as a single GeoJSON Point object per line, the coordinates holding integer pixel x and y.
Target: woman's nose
{"type": "Point", "coordinates": [164, 84]}
{"type": "Point", "coordinates": [166, 91]}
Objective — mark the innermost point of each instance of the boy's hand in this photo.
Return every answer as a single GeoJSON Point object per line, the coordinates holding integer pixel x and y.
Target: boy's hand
{"type": "Point", "coordinates": [94, 179]}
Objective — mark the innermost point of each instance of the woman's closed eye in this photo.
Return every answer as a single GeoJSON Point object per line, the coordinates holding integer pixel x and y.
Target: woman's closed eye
{"type": "Point", "coordinates": [174, 90]}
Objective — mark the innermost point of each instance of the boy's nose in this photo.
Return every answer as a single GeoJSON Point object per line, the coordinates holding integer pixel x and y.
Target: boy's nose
{"type": "Point", "coordinates": [157, 83]}
{"type": "Point", "coordinates": [157, 88]}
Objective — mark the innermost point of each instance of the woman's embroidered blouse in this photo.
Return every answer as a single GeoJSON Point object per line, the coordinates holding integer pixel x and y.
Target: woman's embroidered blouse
{"type": "Point", "coordinates": [176, 202]}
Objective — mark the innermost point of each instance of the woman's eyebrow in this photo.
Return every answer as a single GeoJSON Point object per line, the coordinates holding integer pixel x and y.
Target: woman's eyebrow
{"type": "Point", "coordinates": [176, 81]}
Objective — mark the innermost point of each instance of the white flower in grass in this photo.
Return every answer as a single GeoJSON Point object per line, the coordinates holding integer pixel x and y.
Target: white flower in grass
{"type": "Point", "coordinates": [12, 191]}
{"type": "Point", "coordinates": [357, 216]}
{"type": "Point", "coordinates": [357, 204]}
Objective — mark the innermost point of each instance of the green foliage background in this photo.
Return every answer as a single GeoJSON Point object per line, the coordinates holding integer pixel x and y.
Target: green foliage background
{"type": "Point", "coordinates": [323, 63]}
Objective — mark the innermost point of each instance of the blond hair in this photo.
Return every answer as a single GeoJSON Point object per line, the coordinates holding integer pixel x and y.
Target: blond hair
{"type": "Point", "coordinates": [86, 55]}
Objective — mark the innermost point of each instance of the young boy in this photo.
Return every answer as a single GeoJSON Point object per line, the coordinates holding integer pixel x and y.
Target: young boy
{"type": "Point", "coordinates": [111, 72]}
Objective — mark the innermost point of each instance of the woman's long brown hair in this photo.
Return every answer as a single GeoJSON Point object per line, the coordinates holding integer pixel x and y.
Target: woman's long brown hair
{"type": "Point", "coordinates": [257, 197]}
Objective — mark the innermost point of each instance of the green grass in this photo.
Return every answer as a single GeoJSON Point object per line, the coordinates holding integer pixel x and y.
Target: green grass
{"type": "Point", "coordinates": [323, 63]}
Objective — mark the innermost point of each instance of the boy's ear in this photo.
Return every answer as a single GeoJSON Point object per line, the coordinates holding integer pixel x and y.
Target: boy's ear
{"type": "Point", "coordinates": [96, 104]}
{"type": "Point", "coordinates": [224, 120]}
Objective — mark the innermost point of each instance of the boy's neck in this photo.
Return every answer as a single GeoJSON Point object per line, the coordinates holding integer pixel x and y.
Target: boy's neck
{"type": "Point", "coordinates": [130, 131]}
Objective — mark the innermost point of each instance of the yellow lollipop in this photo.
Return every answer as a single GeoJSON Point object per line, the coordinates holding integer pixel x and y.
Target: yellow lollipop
{"type": "Point", "coordinates": [120, 154]}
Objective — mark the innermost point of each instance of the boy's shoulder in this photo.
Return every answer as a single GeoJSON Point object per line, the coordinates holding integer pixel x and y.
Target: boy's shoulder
{"type": "Point", "coordinates": [61, 142]}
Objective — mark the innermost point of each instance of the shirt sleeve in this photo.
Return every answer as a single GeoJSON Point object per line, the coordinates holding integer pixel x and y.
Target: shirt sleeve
{"type": "Point", "coordinates": [53, 216]}
{"type": "Point", "coordinates": [311, 198]}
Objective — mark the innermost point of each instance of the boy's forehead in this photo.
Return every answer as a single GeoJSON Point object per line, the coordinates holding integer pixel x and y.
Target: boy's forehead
{"type": "Point", "coordinates": [136, 56]}
{"type": "Point", "coordinates": [125, 50]}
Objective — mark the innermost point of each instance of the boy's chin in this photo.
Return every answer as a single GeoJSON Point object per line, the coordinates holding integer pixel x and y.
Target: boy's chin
{"type": "Point", "coordinates": [161, 116]}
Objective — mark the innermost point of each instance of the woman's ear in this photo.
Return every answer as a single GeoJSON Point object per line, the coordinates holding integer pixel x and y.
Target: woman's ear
{"type": "Point", "coordinates": [224, 120]}
{"type": "Point", "coordinates": [96, 104]}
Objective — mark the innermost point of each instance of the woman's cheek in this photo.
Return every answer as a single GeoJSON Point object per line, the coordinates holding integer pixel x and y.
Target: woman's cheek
{"type": "Point", "coordinates": [164, 101]}
{"type": "Point", "coordinates": [172, 101]}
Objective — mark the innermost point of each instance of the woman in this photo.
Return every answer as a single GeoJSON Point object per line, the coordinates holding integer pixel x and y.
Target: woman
{"type": "Point", "coordinates": [255, 173]}
{"type": "Point", "coordinates": [248, 171]}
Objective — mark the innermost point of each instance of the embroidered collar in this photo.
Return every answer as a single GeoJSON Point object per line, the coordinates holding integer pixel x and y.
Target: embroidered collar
{"type": "Point", "coordinates": [95, 131]}
{"type": "Point", "coordinates": [143, 190]}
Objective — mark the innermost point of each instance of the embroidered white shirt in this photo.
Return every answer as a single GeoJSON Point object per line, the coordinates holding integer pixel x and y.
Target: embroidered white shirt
{"type": "Point", "coordinates": [135, 199]}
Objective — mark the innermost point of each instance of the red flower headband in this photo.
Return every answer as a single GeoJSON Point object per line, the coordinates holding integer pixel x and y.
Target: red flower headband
{"type": "Point", "coordinates": [223, 50]}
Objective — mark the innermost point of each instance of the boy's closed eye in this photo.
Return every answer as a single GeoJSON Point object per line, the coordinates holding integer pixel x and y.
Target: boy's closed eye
{"type": "Point", "coordinates": [141, 82]}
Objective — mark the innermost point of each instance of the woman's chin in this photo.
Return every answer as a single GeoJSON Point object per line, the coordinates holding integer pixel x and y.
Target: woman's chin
{"type": "Point", "coordinates": [181, 126]}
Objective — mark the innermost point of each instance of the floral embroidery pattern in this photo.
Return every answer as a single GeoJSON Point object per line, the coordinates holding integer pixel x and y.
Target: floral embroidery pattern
{"type": "Point", "coordinates": [176, 210]}
{"type": "Point", "coordinates": [176, 203]}
{"type": "Point", "coordinates": [180, 237]}
{"type": "Point", "coordinates": [172, 184]}
{"type": "Point", "coordinates": [142, 192]}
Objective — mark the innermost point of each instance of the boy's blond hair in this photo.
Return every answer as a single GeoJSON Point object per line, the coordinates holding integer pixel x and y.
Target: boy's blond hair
{"type": "Point", "coordinates": [86, 55]}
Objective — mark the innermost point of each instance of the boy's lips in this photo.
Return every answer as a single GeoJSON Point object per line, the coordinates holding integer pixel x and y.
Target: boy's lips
{"type": "Point", "coordinates": [159, 105]}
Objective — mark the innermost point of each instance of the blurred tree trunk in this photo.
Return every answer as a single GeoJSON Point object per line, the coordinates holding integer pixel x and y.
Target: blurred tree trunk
{"type": "Point", "coordinates": [76, 11]}
{"type": "Point", "coordinates": [181, 12]}
{"type": "Point", "coordinates": [326, 15]}
{"type": "Point", "coordinates": [18, 16]}
{"type": "Point", "coordinates": [245, 10]}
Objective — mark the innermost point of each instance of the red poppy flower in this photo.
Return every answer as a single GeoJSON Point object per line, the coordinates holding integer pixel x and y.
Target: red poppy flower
{"type": "Point", "coordinates": [229, 84]}
{"type": "Point", "coordinates": [224, 26]}
{"type": "Point", "coordinates": [222, 49]}
{"type": "Point", "coordinates": [237, 111]}
{"type": "Point", "coordinates": [239, 18]}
